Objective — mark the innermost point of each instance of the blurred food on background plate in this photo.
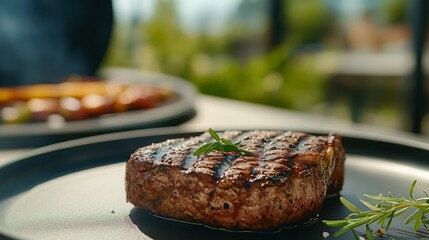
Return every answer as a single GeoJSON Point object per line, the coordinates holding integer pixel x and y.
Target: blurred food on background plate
{"type": "Point", "coordinates": [77, 98]}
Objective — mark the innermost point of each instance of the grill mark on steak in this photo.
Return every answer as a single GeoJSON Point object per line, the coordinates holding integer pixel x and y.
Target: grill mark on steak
{"type": "Point", "coordinates": [190, 160]}
{"type": "Point", "coordinates": [278, 148]}
{"type": "Point", "coordinates": [272, 158]}
{"type": "Point", "coordinates": [276, 163]}
{"type": "Point", "coordinates": [257, 142]}
{"type": "Point", "coordinates": [230, 158]}
{"type": "Point", "coordinates": [205, 163]}
{"type": "Point", "coordinates": [179, 153]}
{"type": "Point", "coordinates": [307, 145]}
{"type": "Point", "coordinates": [224, 165]}
{"type": "Point", "coordinates": [163, 149]}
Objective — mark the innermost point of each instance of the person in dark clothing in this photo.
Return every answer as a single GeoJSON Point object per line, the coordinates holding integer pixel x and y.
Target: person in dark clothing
{"type": "Point", "coordinates": [46, 41]}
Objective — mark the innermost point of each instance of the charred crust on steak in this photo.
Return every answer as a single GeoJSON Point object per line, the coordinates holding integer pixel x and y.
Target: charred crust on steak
{"type": "Point", "coordinates": [273, 159]}
{"type": "Point", "coordinates": [283, 181]}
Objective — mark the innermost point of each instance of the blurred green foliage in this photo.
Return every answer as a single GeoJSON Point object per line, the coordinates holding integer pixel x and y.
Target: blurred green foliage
{"type": "Point", "coordinates": [307, 19]}
{"type": "Point", "coordinates": [239, 63]}
{"type": "Point", "coordinates": [216, 63]}
{"type": "Point", "coordinates": [393, 11]}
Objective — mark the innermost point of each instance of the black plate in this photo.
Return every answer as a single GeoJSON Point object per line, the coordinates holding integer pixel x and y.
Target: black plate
{"type": "Point", "coordinates": [75, 190]}
{"type": "Point", "coordinates": [33, 135]}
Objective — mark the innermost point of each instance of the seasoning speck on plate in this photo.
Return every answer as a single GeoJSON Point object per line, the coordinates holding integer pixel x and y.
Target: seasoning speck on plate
{"type": "Point", "coordinates": [325, 234]}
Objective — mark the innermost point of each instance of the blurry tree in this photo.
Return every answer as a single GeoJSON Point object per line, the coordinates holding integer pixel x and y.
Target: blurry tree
{"type": "Point", "coordinates": [164, 45]}
{"type": "Point", "coordinates": [115, 55]}
{"type": "Point", "coordinates": [394, 11]}
{"type": "Point", "coordinates": [273, 79]}
{"type": "Point", "coordinates": [234, 64]}
{"type": "Point", "coordinates": [307, 19]}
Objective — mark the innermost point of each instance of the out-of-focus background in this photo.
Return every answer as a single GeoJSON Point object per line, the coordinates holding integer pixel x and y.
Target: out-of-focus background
{"type": "Point", "coordinates": [347, 59]}
{"type": "Point", "coordinates": [361, 61]}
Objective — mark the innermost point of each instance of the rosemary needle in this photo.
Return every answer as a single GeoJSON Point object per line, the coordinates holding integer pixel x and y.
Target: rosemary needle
{"type": "Point", "coordinates": [382, 210]}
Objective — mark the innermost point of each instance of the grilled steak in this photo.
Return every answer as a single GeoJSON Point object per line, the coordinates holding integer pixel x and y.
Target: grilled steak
{"type": "Point", "coordinates": [284, 180]}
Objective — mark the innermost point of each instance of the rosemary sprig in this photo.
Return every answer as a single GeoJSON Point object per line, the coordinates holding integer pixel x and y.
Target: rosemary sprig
{"type": "Point", "coordinates": [221, 144]}
{"type": "Point", "coordinates": [381, 210]}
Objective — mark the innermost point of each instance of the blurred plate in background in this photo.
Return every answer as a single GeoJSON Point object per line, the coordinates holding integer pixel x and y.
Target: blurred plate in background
{"type": "Point", "coordinates": [181, 109]}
